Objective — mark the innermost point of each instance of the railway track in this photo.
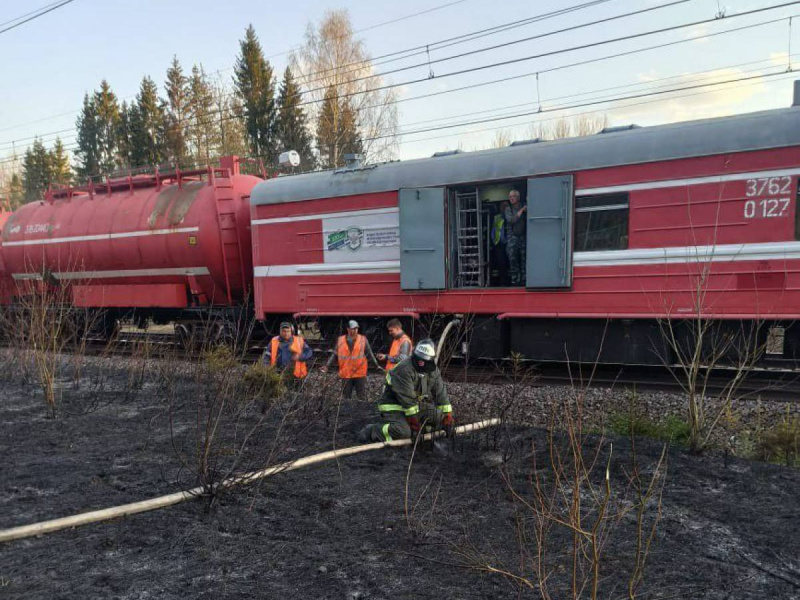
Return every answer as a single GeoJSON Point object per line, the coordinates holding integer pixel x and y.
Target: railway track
{"type": "Point", "coordinates": [773, 383]}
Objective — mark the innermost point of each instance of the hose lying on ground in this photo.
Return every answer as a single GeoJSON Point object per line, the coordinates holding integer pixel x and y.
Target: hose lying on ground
{"type": "Point", "coordinates": [24, 531]}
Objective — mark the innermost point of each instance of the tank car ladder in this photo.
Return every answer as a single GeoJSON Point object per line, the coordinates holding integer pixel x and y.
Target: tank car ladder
{"type": "Point", "coordinates": [229, 233]}
{"type": "Point", "coordinates": [470, 259]}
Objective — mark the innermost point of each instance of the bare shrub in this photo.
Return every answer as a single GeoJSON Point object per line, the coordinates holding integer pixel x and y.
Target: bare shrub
{"type": "Point", "coordinates": [45, 323]}
{"type": "Point", "coordinates": [566, 509]}
{"type": "Point", "coordinates": [227, 419]}
{"type": "Point", "coordinates": [699, 348]}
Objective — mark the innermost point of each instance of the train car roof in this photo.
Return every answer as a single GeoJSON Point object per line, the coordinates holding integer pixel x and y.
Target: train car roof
{"type": "Point", "coordinates": [754, 131]}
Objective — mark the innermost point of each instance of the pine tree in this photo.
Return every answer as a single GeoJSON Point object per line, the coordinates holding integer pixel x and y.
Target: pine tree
{"type": "Point", "coordinates": [125, 137]}
{"type": "Point", "coordinates": [203, 132]}
{"type": "Point", "coordinates": [107, 125]}
{"type": "Point", "coordinates": [88, 150]}
{"type": "Point", "coordinates": [36, 171]}
{"type": "Point", "coordinates": [177, 111]}
{"type": "Point", "coordinates": [147, 126]}
{"type": "Point", "coordinates": [292, 129]}
{"type": "Point", "coordinates": [60, 171]}
{"type": "Point", "coordinates": [255, 86]}
{"type": "Point", "coordinates": [337, 130]}
{"type": "Point", "coordinates": [230, 115]}
{"type": "Point", "coordinates": [16, 192]}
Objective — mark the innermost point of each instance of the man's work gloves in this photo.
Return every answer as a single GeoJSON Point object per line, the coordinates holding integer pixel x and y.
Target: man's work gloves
{"type": "Point", "coordinates": [448, 424]}
{"type": "Point", "coordinates": [414, 423]}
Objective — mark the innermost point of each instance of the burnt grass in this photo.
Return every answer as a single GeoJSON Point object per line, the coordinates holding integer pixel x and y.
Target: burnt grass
{"type": "Point", "coordinates": [729, 529]}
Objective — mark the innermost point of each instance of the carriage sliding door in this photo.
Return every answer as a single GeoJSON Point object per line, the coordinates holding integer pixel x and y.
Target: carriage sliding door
{"type": "Point", "coordinates": [549, 236]}
{"type": "Point", "coordinates": [422, 239]}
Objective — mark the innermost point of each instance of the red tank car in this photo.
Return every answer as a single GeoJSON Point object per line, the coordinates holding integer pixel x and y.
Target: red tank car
{"type": "Point", "coordinates": [156, 243]}
{"type": "Point", "coordinates": [620, 229]}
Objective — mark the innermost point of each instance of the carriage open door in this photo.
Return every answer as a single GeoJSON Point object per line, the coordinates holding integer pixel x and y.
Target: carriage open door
{"type": "Point", "coordinates": [550, 203]}
{"type": "Point", "coordinates": [422, 239]}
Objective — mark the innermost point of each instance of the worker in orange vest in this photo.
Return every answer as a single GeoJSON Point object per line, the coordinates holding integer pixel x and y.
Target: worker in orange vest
{"type": "Point", "coordinates": [352, 351]}
{"type": "Point", "coordinates": [288, 350]}
{"type": "Point", "coordinates": [401, 345]}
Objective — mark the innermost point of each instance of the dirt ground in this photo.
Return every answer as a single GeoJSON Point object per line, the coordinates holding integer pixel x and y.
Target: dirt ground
{"type": "Point", "coordinates": [338, 530]}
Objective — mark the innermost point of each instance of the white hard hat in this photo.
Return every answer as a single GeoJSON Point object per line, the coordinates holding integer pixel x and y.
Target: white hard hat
{"type": "Point", "coordinates": [352, 324]}
{"type": "Point", "coordinates": [426, 350]}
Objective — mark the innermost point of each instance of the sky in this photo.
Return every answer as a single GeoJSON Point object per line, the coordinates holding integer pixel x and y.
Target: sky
{"type": "Point", "coordinates": [51, 62]}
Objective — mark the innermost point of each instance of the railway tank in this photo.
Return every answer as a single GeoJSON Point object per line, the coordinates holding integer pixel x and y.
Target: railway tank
{"type": "Point", "coordinates": [158, 243]}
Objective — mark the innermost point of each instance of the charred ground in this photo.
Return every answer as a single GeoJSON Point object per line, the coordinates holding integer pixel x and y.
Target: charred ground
{"type": "Point", "coordinates": [339, 530]}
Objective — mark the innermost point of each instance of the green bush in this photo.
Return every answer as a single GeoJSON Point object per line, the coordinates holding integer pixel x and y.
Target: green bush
{"type": "Point", "coordinates": [670, 429]}
{"type": "Point", "coordinates": [781, 442]}
{"type": "Point", "coordinates": [263, 382]}
{"type": "Point", "coordinates": [219, 360]}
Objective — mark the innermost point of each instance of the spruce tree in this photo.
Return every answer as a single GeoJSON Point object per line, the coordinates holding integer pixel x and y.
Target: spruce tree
{"type": "Point", "coordinates": [36, 171]}
{"type": "Point", "coordinates": [255, 86]}
{"type": "Point", "coordinates": [203, 132]}
{"type": "Point", "coordinates": [337, 130]}
{"type": "Point", "coordinates": [177, 111]}
{"type": "Point", "coordinates": [125, 137]}
{"type": "Point", "coordinates": [107, 124]}
{"type": "Point", "coordinates": [88, 150]}
{"type": "Point", "coordinates": [16, 192]}
{"type": "Point", "coordinates": [60, 171]}
{"type": "Point", "coordinates": [147, 126]}
{"type": "Point", "coordinates": [292, 129]}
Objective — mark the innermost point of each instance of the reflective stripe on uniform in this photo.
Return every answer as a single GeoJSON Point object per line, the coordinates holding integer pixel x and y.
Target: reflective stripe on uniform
{"type": "Point", "coordinates": [413, 410]}
{"type": "Point", "coordinates": [445, 408]}
{"type": "Point", "coordinates": [385, 432]}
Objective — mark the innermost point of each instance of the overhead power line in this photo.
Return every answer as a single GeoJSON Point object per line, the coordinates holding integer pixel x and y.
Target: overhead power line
{"type": "Point", "coordinates": [512, 77]}
{"type": "Point", "coordinates": [659, 94]}
{"type": "Point", "coordinates": [632, 36]}
{"type": "Point", "coordinates": [777, 78]}
{"type": "Point", "coordinates": [425, 49]}
{"type": "Point", "coordinates": [580, 105]}
{"type": "Point", "coordinates": [436, 45]}
{"type": "Point", "coordinates": [504, 63]}
{"type": "Point", "coordinates": [489, 66]}
{"type": "Point", "coordinates": [27, 18]}
{"type": "Point", "coordinates": [507, 44]}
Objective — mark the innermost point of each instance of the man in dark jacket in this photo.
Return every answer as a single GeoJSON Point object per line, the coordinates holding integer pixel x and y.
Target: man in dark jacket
{"type": "Point", "coordinates": [287, 351]}
{"type": "Point", "coordinates": [515, 214]}
{"type": "Point", "coordinates": [414, 396]}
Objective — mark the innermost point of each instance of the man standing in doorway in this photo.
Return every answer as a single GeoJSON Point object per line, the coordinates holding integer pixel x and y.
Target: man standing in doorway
{"type": "Point", "coordinates": [401, 345]}
{"type": "Point", "coordinates": [352, 351]}
{"type": "Point", "coordinates": [515, 222]}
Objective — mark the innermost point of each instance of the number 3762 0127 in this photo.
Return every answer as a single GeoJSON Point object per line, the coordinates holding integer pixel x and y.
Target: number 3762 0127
{"type": "Point", "coordinates": [760, 205]}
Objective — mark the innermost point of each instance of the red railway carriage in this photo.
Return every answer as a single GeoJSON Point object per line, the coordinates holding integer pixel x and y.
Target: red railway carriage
{"type": "Point", "coordinates": [159, 244]}
{"type": "Point", "coordinates": [624, 228]}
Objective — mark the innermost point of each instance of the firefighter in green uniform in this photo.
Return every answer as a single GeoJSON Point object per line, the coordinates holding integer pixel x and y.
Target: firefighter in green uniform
{"type": "Point", "coordinates": [414, 396]}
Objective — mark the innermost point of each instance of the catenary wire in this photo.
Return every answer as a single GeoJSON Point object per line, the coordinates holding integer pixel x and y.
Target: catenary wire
{"type": "Point", "coordinates": [36, 16]}
{"type": "Point", "coordinates": [500, 28]}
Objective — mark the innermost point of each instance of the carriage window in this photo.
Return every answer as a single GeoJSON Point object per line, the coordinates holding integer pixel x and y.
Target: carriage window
{"type": "Point", "coordinates": [601, 222]}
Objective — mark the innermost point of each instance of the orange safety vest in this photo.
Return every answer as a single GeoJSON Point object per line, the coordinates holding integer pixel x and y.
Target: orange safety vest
{"type": "Point", "coordinates": [352, 363]}
{"type": "Point", "coordinates": [300, 368]}
{"type": "Point", "coordinates": [395, 350]}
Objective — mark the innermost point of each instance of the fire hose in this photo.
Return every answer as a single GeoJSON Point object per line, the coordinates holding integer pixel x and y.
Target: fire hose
{"type": "Point", "coordinates": [95, 516]}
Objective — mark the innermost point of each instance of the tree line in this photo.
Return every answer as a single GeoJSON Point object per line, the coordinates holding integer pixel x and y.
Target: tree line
{"type": "Point", "coordinates": [316, 109]}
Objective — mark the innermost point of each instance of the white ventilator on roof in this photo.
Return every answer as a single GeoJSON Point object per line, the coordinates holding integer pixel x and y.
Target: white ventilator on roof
{"type": "Point", "coordinates": [290, 158]}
